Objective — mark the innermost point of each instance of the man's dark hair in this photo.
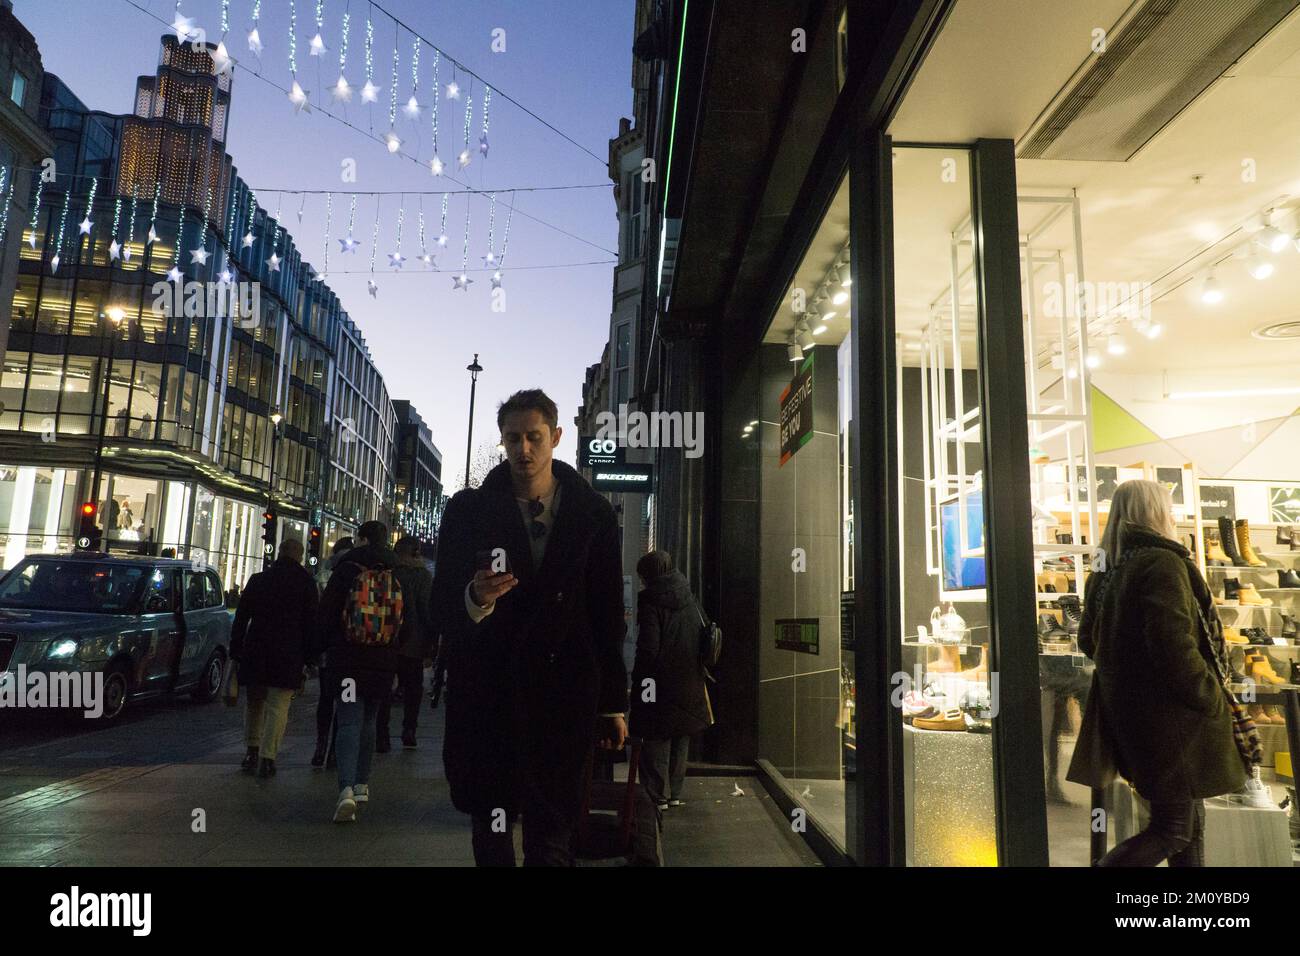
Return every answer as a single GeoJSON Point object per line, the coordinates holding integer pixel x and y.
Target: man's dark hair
{"type": "Point", "coordinates": [654, 565]}
{"type": "Point", "coordinates": [374, 533]}
{"type": "Point", "coordinates": [529, 400]}
{"type": "Point", "coordinates": [341, 545]}
{"type": "Point", "coordinates": [407, 547]}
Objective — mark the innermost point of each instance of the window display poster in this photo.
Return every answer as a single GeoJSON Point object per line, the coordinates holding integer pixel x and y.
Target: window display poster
{"type": "Point", "coordinates": [848, 603]}
{"type": "Point", "coordinates": [797, 411]}
{"type": "Point", "coordinates": [798, 634]}
{"type": "Point", "coordinates": [1218, 501]}
{"type": "Point", "coordinates": [1172, 478]}
{"type": "Point", "coordinates": [1106, 476]}
{"type": "Point", "coordinates": [1284, 505]}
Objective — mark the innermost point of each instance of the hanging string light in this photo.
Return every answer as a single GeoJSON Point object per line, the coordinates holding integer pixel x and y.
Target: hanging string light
{"type": "Point", "coordinates": [435, 164]}
{"type": "Point", "coordinates": [483, 136]}
{"type": "Point", "coordinates": [490, 259]}
{"type": "Point", "coordinates": [394, 143]}
{"type": "Point", "coordinates": [255, 38]}
{"type": "Point", "coordinates": [463, 159]}
{"type": "Point", "coordinates": [297, 95]}
{"type": "Point", "coordinates": [114, 247]}
{"type": "Point", "coordinates": [349, 244]}
{"type": "Point", "coordinates": [505, 243]}
{"type": "Point", "coordinates": [130, 229]}
{"type": "Point", "coordinates": [370, 92]}
{"type": "Point", "coordinates": [329, 220]}
{"type": "Point", "coordinates": [342, 91]}
{"type": "Point", "coordinates": [395, 259]}
{"type": "Point", "coordinates": [200, 255]}
{"type": "Point", "coordinates": [412, 107]}
{"type": "Point", "coordinates": [463, 280]}
{"type": "Point", "coordinates": [174, 274]}
{"type": "Point", "coordinates": [318, 42]}
{"type": "Point", "coordinates": [425, 255]}
{"type": "Point", "coordinates": [442, 232]}
{"type": "Point", "coordinates": [453, 88]}
{"type": "Point", "coordinates": [371, 285]}
{"type": "Point", "coordinates": [226, 276]}
{"type": "Point", "coordinates": [86, 225]}
{"type": "Point", "coordinates": [252, 213]}
{"type": "Point", "coordinates": [183, 25]}
{"type": "Point", "coordinates": [221, 58]}
{"type": "Point", "coordinates": [4, 214]}
{"type": "Point", "coordinates": [58, 245]}
{"type": "Point", "coordinates": [153, 216]}
{"type": "Point", "coordinates": [36, 211]}
{"type": "Point", "coordinates": [273, 263]}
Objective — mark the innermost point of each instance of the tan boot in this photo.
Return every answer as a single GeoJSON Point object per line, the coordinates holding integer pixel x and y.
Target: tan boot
{"type": "Point", "coordinates": [1213, 549]}
{"type": "Point", "coordinates": [1242, 530]}
{"type": "Point", "coordinates": [1247, 595]}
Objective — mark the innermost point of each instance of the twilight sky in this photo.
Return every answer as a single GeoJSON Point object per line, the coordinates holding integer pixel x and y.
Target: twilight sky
{"type": "Point", "coordinates": [569, 61]}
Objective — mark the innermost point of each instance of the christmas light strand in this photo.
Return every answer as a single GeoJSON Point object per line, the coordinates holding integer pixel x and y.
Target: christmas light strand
{"type": "Point", "coordinates": [293, 38]}
{"type": "Point", "coordinates": [505, 238]}
{"type": "Point", "coordinates": [36, 208]}
{"type": "Point", "coordinates": [442, 232]}
{"type": "Point", "coordinates": [117, 216]}
{"type": "Point", "coordinates": [437, 56]}
{"type": "Point", "coordinates": [392, 93]}
{"type": "Point", "coordinates": [153, 216]}
{"type": "Point", "coordinates": [352, 215]}
{"type": "Point", "coordinates": [58, 246]}
{"type": "Point", "coordinates": [180, 232]}
{"type": "Point", "coordinates": [329, 220]}
{"type": "Point", "coordinates": [374, 239]}
{"type": "Point", "coordinates": [483, 136]}
{"type": "Point", "coordinates": [130, 229]}
{"type": "Point", "coordinates": [225, 17]}
{"type": "Point", "coordinates": [343, 44]}
{"type": "Point", "coordinates": [4, 215]}
{"type": "Point", "coordinates": [469, 121]}
{"type": "Point", "coordinates": [90, 208]}
{"type": "Point", "coordinates": [415, 66]}
{"type": "Point", "coordinates": [464, 251]}
{"type": "Point", "coordinates": [370, 46]}
{"type": "Point", "coordinates": [320, 14]}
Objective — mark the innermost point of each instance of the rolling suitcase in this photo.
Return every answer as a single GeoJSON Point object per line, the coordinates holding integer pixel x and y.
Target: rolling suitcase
{"type": "Point", "coordinates": [618, 818]}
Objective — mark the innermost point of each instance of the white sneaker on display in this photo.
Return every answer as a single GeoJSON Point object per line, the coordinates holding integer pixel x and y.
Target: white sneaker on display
{"type": "Point", "coordinates": [346, 811]}
{"type": "Point", "coordinates": [1254, 793]}
{"type": "Point", "coordinates": [361, 792]}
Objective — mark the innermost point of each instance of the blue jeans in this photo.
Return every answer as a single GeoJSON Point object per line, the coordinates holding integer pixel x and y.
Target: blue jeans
{"type": "Point", "coordinates": [355, 744]}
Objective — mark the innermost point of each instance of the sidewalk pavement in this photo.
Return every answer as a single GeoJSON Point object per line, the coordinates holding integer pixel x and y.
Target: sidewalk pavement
{"type": "Point", "coordinates": [124, 809]}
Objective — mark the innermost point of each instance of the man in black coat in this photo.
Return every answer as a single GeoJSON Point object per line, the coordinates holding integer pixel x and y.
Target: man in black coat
{"type": "Point", "coordinates": [270, 641]}
{"type": "Point", "coordinates": [529, 592]}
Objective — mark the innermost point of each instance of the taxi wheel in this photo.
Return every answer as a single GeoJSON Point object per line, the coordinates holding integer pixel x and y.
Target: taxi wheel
{"type": "Point", "coordinates": [209, 684]}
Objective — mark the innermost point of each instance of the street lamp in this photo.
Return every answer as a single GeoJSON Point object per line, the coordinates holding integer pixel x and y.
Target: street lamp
{"type": "Point", "coordinates": [276, 418]}
{"type": "Point", "coordinates": [473, 368]}
{"type": "Point", "coordinates": [115, 316]}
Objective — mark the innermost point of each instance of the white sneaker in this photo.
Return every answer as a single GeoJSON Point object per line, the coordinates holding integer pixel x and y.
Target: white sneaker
{"type": "Point", "coordinates": [361, 792]}
{"type": "Point", "coordinates": [346, 811]}
{"type": "Point", "coordinates": [1253, 793]}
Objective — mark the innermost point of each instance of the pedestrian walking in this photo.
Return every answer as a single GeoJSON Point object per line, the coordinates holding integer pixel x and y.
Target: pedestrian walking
{"type": "Point", "coordinates": [1159, 712]}
{"type": "Point", "coordinates": [328, 687]}
{"type": "Point", "coordinates": [529, 595]}
{"type": "Point", "coordinates": [670, 700]}
{"type": "Point", "coordinates": [361, 617]}
{"type": "Point", "coordinates": [415, 643]}
{"type": "Point", "coordinates": [270, 643]}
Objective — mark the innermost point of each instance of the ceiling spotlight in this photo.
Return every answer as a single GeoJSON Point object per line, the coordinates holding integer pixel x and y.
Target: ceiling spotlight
{"type": "Point", "coordinates": [1211, 293]}
{"type": "Point", "coordinates": [1072, 372]}
{"type": "Point", "coordinates": [839, 298]}
{"type": "Point", "coordinates": [1272, 238]}
{"type": "Point", "coordinates": [1093, 360]}
{"type": "Point", "coordinates": [803, 336]}
{"type": "Point", "coordinates": [1258, 266]}
{"type": "Point", "coordinates": [827, 316]}
{"type": "Point", "coordinates": [1115, 345]}
{"type": "Point", "coordinates": [792, 350]}
{"type": "Point", "coordinates": [1153, 330]}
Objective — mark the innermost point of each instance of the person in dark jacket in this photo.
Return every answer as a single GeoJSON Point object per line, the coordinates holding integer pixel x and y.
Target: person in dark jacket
{"type": "Point", "coordinates": [1158, 711]}
{"type": "Point", "coordinates": [415, 642]}
{"type": "Point", "coordinates": [362, 674]}
{"type": "Point", "coordinates": [329, 691]}
{"type": "Point", "coordinates": [270, 642]}
{"type": "Point", "coordinates": [669, 699]}
{"type": "Point", "coordinates": [529, 596]}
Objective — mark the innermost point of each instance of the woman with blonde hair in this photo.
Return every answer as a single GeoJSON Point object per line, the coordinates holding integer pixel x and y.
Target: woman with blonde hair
{"type": "Point", "coordinates": [1159, 712]}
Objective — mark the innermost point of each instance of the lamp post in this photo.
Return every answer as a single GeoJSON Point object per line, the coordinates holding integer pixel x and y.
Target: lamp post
{"type": "Point", "coordinates": [473, 368]}
{"type": "Point", "coordinates": [276, 418]}
{"type": "Point", "coordinates": [115, 316]}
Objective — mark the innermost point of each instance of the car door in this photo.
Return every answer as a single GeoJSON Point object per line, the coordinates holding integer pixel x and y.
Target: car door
{"type": "Point", "coordinates": [162, 627]}
{"type": "Point", "coordinates": [198, 624]}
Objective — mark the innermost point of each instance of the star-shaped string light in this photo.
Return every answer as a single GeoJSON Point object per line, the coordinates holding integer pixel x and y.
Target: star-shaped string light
{"type": "Point", "coordinates": [255, 38]}
{"type": "Point", "coordinates": [483, 135]}
{"type": "Point", "coordinates": [153, 235]}
{"type": "Point", "coordinates": [395, 260]}
{"type": "Point", "coordinates": [370, 92]}
{"type": "Point", "coordinates": [199, 256]}
{"type": "Point", "coordinates": [183, 25]}
{"type": "Point", "coordinates": [318, 42]}
{"type": "Point", "coordinates": [342, 90]}
{"type": "Point", "coordinates": [226, 277]}
{"type": "Point", "coordinates": [248, 238]}
{"type": "Point", "coordinates": [174, 274]}
{"type": "Point", "coordinates": [412, 108]}
{"type": "Point", "coordinates": [273, 263]}
{"type": "Point", "coordinates": [84, 225]}
{"type": "Point", "coordinates": [373, 288]}
{"type": "Point", "coordinates": [463, 159]}
{"type": "Point", "coordinates": [114, 251]}
{"type": "Point", "coordinates": [222, 61]}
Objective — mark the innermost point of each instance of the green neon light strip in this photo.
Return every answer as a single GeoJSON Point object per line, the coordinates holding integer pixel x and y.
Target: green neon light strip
{"type": "Point", "coordinates": [672, 139]}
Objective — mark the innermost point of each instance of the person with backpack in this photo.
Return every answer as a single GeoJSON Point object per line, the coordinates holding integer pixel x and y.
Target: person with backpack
{"type": "Point", "coordinates": [328, 688]}
{"type": "Point", "coordinates": [415, 642]}
{"type": "Point", "coordinates": [361, 616]}
{"type": "Point", "coordinates": [529, 598]}
{"type": "Point", "coordinates": [670, 701]}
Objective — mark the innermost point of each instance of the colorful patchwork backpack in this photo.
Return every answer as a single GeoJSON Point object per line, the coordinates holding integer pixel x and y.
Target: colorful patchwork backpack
{"type": "Point", "coordinates": [372, 615]}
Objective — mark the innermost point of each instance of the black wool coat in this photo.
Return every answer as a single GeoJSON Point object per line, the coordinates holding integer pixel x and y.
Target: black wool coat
{"type": "Point", "coordinates": [372, 668]}
{"type": "Point", "coordinates": [273, 627]}
{"type": "Point", "coordinates": [1161, 704]}
{"type": "Point", "coordinates": [675, 702]}
{"type": "Point", "coordinates": [525, 685]}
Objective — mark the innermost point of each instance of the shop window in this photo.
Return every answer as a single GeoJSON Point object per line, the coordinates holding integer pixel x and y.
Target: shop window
{"type": "Point", "coordinates": [144, 399]}
{"type": "Point", "coordinates": [24, 310]}
{"type": "Point", "coordinates": [13, 382]}
{"type": "Point", "coordinates": [56, 304]}
{"type": "Point", "coordinates": [18, 89]}
{"type": "Point", "coordinates": [81, 384]}
{"type": "Point", "coordinates": [43, 390]}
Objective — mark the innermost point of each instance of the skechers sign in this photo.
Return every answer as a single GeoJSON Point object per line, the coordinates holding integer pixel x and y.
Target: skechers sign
{"type": "Point", "coordinates": [626, 477]}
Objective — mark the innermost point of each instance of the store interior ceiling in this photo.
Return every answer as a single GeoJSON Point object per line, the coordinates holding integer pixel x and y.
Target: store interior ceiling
{"type": "Point", "coordinates": [1192, 196]}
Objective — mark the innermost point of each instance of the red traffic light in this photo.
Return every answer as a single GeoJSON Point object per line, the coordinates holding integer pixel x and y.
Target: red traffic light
{"type": "Point", "coordinates": [88, 509]}
{"type": "Point", "coordinates": [268, 515]}
{"type": "Point", "coordinates": [315, 532]}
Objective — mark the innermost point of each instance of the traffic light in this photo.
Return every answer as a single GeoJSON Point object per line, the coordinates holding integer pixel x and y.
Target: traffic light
{"type": "Point", "coordinates": [269, 523]}
{"type": "Point", "coordinates": [88, 533]}
{"type": "Point", "coordinates": [313, 548]}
